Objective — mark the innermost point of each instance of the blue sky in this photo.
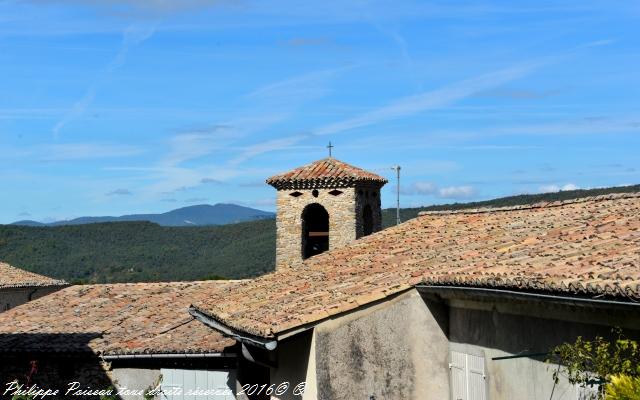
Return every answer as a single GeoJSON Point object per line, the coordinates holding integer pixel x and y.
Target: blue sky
{"type": "Point", "coordinates": [127, 106]}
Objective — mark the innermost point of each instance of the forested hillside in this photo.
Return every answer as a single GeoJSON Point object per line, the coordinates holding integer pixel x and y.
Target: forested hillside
{"type": "Point", "coordinates": [389, 216]}
{"type": "Point", "coordinates": [143, 251]}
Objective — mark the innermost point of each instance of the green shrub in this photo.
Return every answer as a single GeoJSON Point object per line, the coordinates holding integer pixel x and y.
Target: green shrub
{"type": "Point", "coordinates": [598, 362]}
{"type": "Point", "coordinates": [623, 387]}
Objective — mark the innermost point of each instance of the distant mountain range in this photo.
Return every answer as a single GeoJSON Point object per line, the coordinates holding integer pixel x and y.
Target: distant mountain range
{"type": "Point", "coordinates": [199, 215]}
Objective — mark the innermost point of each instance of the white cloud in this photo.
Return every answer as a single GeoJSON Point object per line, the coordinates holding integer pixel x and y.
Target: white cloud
{"type": "Point", "coordinates": [573, 127]}
{"type": "Point", "coordinates": [549, 188]}
{"type": "Point", "coordinates": [190, 146]}
{"type": "Point", "coordinates": [210, 181]}
{"type": "Point", "coordinates": [276, 102]}
{"type": "Point", "coordinates": [419, 188]}
{"type": "Point", "coordinates": [597, 43]}
{"type": "Point", "coordinates": [139, 8]}
{"type": "Point", "coordinates": [403, 107]}
{"type": "Point", "coordinates": [457, 192]}
{"type": "Point", "coordinates": [86, 151]}
{"type": "Point", "coordinates": [430, 100]}
{"type": "Point", "coordinates": [266, 147]}
{"type": "Point", "coordinates": [431, 189]}
{"type": "Point", "coordinates": [269, 202]}
{"type": "Point", "coordinates": [558, 188]}
{"type": "Point", "coordinates": [412, 105]}
{"type": "Point", "coordinates": [120, 192]}
{"type": "Point", "coordinates": [297, 89]}
{"type": "Point", "coordinates": [570, 186]}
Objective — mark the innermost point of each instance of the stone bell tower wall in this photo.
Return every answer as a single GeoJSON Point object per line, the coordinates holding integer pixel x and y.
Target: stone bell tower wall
{"type": "Point", "coordinates": [342, 209]}
{"type": "Point", "coordinates": [368, 195]}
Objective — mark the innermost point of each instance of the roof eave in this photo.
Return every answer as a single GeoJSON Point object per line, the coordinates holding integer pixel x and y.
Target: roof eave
{"type": "Point", "coordinates": [444, 291]}
{"type": "Point", "coordinates": [61, 284]}
{"type": "Point", "coordinates": [451, 291]}
{"type": "Point", "coordinates": [284, 184]}
{"type": "Point", "coordinates": [262, 342]}
{"type": "Point", "coordinates": [146, 356]}
{"type": "Point", "coordinates": [242, 337]}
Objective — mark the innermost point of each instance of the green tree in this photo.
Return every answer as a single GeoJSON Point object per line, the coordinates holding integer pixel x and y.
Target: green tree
{"type": "Point", "coordinates": [611, 364]}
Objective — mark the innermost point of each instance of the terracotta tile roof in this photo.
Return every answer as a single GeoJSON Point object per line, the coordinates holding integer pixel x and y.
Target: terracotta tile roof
{"type": "Point", "coordinates": [12, 277]}
{"type": "Point", "coordinates": [141, 318]}
{"type": "Point", "coordinates": [327, 172]}
{"type": "Point", "coordinates": [588, 247]}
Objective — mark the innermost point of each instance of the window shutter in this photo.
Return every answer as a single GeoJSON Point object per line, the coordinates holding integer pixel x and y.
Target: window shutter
{"type": "Point", "coordinates": [475, 366]}
{"type": "Point", "coordinates": [467, 377]}
{"type": "Point", "coordinates": [220, 383]}
{"type": "Point", "coordinates": [458, 378]}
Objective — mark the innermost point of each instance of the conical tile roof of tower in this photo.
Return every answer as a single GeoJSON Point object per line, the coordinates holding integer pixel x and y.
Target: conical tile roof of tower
{"type": "Point", "coordinates": [328, 172]}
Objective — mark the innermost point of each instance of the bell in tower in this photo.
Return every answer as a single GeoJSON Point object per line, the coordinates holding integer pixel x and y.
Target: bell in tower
{"type": "Point", "coordinates": [324, 205]}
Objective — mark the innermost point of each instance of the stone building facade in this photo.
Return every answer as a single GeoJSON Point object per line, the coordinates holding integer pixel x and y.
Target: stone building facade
{"type": "Point", "coordinates": [324, 205]}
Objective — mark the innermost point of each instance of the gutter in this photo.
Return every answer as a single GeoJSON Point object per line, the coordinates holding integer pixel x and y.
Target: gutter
{"type": "Point", "coordinates": [268, 344]}
{"type": "Point", "coordinates": [454, 291]}
{"type": "Point", "coordinates": [164, 356]}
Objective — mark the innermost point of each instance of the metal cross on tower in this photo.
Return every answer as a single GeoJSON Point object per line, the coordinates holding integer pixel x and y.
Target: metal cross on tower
{"type": "Point", "coordinates": [330, 147]}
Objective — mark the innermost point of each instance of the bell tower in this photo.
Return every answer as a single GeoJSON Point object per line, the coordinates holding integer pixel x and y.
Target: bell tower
{"type": "Point", "coordinates": [324, 205]}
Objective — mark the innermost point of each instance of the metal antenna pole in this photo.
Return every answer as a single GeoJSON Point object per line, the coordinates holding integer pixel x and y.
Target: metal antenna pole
{"type": "Point", "coordinates": [397, 169]}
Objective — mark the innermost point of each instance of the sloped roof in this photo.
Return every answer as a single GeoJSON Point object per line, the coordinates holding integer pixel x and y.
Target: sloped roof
{"type": "Point", "coordinates": [587, 247]}
{"type": "Point", "coordinates": [140, 318]}
{"type": "Point", "coordinates": [12, 277]}
{"type": "Point", "coordinates": [328, 172]}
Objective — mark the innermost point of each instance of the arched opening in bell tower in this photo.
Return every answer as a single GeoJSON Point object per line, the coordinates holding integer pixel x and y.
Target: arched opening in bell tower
{"type": "Point", "coordinates": [367, 220]}
{"type": "Point", "coordinates": [315, 230]}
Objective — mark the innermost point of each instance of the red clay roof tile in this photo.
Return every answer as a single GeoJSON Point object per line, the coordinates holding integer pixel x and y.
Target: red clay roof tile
{"type": "Point", "coordinates": [588, 247]}
{"type": "Point", "coordinates": [140, 318]}
{"type": "Point", "coordinates": [12, 277]}
{"type": "Point", "coordinates": [327, 172]}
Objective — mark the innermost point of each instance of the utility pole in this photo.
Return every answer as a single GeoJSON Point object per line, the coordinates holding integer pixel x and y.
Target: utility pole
{"type": "Point", "coordinates": [397, 169]}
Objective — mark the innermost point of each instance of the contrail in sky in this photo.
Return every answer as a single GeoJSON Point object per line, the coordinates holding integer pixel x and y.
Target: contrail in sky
{"type": "Point", "coordinates": [132, 36]}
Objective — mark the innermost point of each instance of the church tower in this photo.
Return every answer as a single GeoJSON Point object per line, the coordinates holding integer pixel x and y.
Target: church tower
{"type": "Point", "coordinates": [324, 205]}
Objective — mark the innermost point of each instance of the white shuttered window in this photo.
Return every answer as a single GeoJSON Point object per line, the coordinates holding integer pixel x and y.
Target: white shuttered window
{"type": "Point", "coordinates": [197, 384]}
{"type": "Point", "coordinates": [467, 377]}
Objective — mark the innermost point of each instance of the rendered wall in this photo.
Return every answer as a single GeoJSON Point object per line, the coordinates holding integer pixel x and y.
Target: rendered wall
{"type": "Point", "coordinates": [296, 365]}
{"type": "Point", "coordinates": [394, 350]}
{"type": "Point", "coordinates": [509, 328]}
{"type": "Point", "coordinates": [134, 379]}
{"type": "Point", "coordinates": [400, 349]}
